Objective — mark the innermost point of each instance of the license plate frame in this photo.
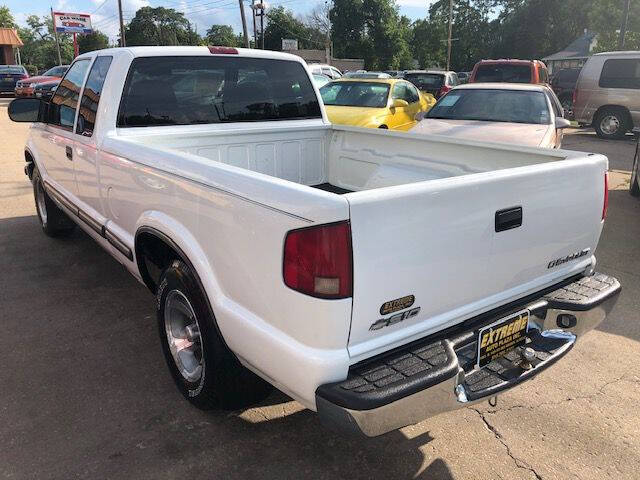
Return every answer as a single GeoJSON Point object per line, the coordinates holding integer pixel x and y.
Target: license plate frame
{"type": "Point", "coordinates": [499, 339]}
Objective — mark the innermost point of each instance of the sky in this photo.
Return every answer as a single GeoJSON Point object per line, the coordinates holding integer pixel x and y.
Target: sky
{"type": "Point", "coordinates": [201, 13]}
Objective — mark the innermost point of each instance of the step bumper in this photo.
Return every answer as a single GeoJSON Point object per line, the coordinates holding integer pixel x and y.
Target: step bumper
{"type": "Point", "coordinates": [440, 374]}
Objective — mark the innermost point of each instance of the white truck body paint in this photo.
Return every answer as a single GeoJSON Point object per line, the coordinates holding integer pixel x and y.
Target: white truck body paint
{"type": "Point", "coordinates": [421, 212]}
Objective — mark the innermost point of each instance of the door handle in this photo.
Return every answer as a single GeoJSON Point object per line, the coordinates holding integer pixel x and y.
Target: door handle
{"type": "Point", "coordinates": [69, 152]}
{"type": "Point", "coordinates": [508, 218]}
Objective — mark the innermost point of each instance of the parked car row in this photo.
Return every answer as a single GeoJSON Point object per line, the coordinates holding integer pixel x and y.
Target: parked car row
{"type": "Point", "coordinates": [15, 79]}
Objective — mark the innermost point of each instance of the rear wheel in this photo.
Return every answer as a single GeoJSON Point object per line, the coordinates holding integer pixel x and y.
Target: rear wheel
{"type": "Point", "coordinates": [611, 123]}
{"type": "Point", "coordinates": [54, 222]}
{"type": "Point", "coordinates": [206, 372]}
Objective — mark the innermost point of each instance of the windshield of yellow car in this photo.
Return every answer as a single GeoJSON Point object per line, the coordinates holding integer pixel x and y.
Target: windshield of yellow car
{"type": "Point", "coordinates": [493, 105]}
{"type": "Point", "coordinates": [355, 94]}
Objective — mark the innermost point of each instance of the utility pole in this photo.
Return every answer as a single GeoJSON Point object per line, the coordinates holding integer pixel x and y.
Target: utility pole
{"type": "Point", "coordinates": [262, 23]}
{"type": "Point", "coordinates": [255, 31]}
{"type": "Point", "coordinates": [449, 37]}
{"type": "Point", "coordinates": [123, 42]}
{"type": "Point", "coordinates": [623, 27]}
{"type": "Point", "coordinates": [244, 24]}
{"type": "Point", "coordinates": [55, 33]}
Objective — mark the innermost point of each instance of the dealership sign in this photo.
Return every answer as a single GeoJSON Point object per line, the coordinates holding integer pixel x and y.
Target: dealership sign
{"type": "Point", "coordinates": [72, 22]}
{"type": "Point", "coordinates": [289, 44]}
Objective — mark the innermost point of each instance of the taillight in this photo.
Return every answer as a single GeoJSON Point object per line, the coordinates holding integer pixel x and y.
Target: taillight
{"type": "Point", "coordinates": [443, 90]}
{"type": "Point", "coordinates": [318, 260]}
{"type": "Point", "coordinates": [223, 50]}
{"type": "Point", "coordinates": [605, 204]}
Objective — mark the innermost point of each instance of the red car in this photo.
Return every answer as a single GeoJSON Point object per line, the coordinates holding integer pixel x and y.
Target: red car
{"type": "Point", "coordinates": [510, 71]}
{"type": "Point", "coordinates": [25, 88]}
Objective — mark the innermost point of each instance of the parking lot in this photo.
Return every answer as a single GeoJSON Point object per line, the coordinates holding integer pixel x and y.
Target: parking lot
{"type": "Point", "coordinates": [86, 394]}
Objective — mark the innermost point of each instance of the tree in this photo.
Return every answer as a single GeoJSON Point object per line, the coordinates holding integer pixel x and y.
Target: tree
{"type": "Point", "coordinates": [93, 41]}
{"type": "Point", "coordinates": [6, 19]}
{"type": "Point", "coordinates": [160, 26]}
{"type": "Point", "coordinates": [222, 35]}
{"type": "Point", "coordinates": [606, 18]}
{"type": "Point", "coordinates": [372, 30]}
{"type": "Point", "coordinates": [39, 43]}
{"type": "Point", "coordinates": [282, 24]}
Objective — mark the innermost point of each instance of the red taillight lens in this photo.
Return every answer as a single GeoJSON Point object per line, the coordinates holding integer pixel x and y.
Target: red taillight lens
{"type": "Point", "coordinates": [605, 205]}
{"type": "Point", "coordinates": [318, 260]}
{"type": "Point", "coordinates": [443, 90]}
{"type": "Point", "coordinates": [223, 50]}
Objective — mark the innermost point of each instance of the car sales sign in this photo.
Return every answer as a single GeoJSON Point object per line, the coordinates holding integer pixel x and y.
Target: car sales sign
{"type": "Point", "coordinates": [72, 22]}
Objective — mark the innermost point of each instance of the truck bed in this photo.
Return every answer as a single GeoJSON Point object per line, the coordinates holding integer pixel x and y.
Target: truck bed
{"type": "Point", "coordinates": [341, 159]}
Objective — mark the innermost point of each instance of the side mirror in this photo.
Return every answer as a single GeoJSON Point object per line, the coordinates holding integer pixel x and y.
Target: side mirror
{"type": "Point", "coordinates": [27, 110]}
{"type": "Point", "coordinates": [399, 103]}
{"type": "Point", "coordinates": [562, 123]}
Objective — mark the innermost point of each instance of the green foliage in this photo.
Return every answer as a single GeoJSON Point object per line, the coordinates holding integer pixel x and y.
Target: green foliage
{"type": "Point", "coordinates": [606, 17]}
{"type": "Point", "coordinates": [40, 45]}
{"type": "Point", "coordinates": [223, 35]}
{"type": "Point", "coordinates": [6, 18]}
{"type": "Point", "coordinates": [280, 23]}
{"type": "Point", "coordinates": [94, 41]}
{"type": "Point", "coordinates": [160, 26]}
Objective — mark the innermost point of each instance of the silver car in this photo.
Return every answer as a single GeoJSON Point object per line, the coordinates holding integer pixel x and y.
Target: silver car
{"type": "Point", "coordinates": [607, 94]}
{"type": "Point", "coordinates": [514, 113]}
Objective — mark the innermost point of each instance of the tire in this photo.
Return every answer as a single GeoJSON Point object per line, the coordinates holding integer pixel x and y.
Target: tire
{"type": "Point", "coordinates": [205, 371]}
{"type": "Point", "coordinates": [567, 105]}
{"type": "Point", "coordinates": [634, 188]}
{"type": "Point", "coordinates": [54, 222]}
{"type": "Point", "coordinates": [611, 123]}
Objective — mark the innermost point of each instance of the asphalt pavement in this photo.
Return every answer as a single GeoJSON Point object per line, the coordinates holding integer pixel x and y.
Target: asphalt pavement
{"type": "Point", "coordinates": [84, 391]}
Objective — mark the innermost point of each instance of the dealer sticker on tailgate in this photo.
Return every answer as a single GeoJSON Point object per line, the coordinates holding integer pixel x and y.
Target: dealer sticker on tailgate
{"type": "Point", "coordinates": [499, 338]}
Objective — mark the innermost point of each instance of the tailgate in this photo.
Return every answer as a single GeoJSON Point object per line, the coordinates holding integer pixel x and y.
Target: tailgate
{"type": "Point", "coordinates": [434, 245]}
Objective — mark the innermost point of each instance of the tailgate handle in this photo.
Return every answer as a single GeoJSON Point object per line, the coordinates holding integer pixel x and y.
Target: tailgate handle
{"type": "Point", "coordinates": [508, 218]}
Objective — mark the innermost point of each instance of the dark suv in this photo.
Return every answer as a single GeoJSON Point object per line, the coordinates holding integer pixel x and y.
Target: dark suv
{"type": "Point", "coordinates": [564, 83]}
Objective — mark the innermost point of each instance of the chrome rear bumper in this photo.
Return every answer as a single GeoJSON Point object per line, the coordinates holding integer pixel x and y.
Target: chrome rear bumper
{"type": "Point", "coordinates": [438, 375]}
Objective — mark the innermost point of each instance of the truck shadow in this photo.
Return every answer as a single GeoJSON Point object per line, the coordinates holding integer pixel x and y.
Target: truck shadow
{"type": "Point", "coordinates": [89, 357]}
{"type": "Point", "coordinates": [111, 406]}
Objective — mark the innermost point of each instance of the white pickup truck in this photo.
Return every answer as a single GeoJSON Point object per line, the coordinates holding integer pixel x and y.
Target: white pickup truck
{"type": "Point", "coordinates": [377, 277]}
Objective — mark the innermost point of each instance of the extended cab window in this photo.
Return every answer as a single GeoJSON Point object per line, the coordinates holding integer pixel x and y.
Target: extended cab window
{"type": "Point", "coordinates": [91, 96]}
{"type": "Point", "coordinates": [62, 110]}
{"type": "Point", "coordinates": [503, 72]}
{"type": "Point", "coordinates": [621, 73]}
{"type": "Point", "coordinates": [199, 90]}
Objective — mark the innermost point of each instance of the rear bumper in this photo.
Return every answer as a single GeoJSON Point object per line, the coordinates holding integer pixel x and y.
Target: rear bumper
{"type": "Point", "coordinates": [439, 374]}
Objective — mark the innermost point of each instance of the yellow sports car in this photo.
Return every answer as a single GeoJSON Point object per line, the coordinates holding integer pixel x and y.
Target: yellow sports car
{"type": "Point", "coordinates": [391, 103]}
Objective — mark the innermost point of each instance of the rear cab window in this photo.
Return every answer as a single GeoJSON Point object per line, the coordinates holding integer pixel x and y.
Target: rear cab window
{"type": "Point", "coordinates": [203, 90]}
{"type": "Point", "coordinates": [621, 73]}
{"type": "Point", "coordinates": [503, 72]}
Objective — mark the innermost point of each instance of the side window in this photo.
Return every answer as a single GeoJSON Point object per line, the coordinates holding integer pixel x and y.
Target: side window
{"type": "Point", "coordinates": [399, 91]}
{"type": "Point", "coordinates": [558, 111]}
{"type": "Point", "coordinates": [412, 93]}
{"type": "Point", "coordinates": [454, 80]}
{"type": "Point", "coordinates": [327, 71]}
{"type": "Point", "coordinates": [544, 75]}
{"type": "Point", "coordinates": [336, 73]}
{"type": "Point", "coordinates": [621, 73]}
{"type": "Point", "coordinates": [62, 110]}
{"type": "Point", "coordinates": [91, 96]}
